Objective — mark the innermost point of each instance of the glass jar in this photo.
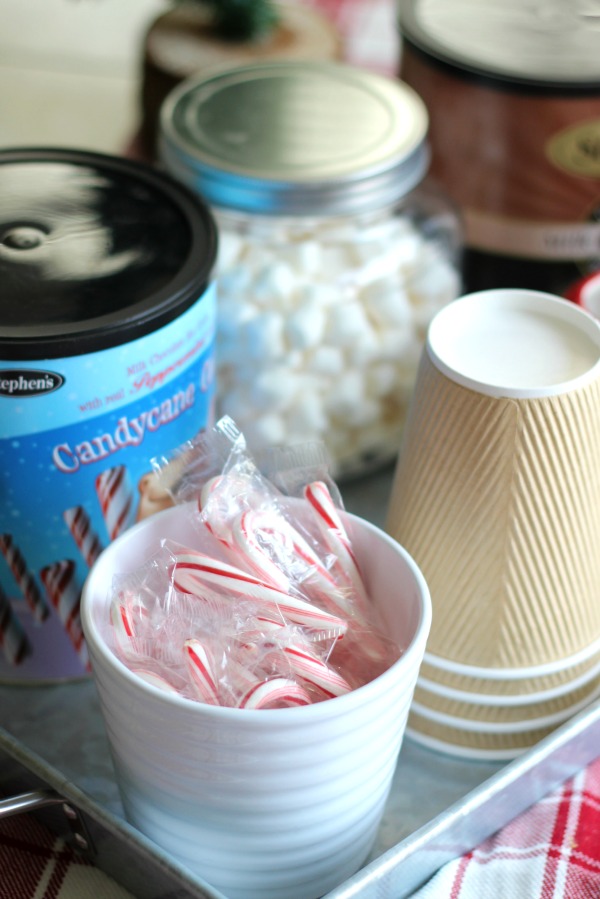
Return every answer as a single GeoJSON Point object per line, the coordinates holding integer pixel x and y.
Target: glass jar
{"type": "Point", "coordinates": [335, 252]}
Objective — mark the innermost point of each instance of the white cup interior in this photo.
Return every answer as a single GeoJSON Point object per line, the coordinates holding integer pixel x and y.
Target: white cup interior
{"type": "Point", "coordinates": [515, 343]}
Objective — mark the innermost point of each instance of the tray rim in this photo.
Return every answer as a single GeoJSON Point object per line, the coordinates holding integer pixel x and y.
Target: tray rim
{"type": "Point", "coordinates": [561, 755]}
{"type": "Point", "coordinates": [526, 779]}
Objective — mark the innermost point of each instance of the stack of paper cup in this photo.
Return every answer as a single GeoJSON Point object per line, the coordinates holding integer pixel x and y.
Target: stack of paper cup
{"type": "Point", "coordinates": [497, 497]}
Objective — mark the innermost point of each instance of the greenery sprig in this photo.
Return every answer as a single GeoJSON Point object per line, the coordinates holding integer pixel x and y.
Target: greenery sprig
{"type": "Point", "coordinates": [240, 20]}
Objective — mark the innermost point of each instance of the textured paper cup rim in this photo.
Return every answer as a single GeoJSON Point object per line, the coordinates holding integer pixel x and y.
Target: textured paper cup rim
{"type": "Point", "coordinates": [504, 727]}
{"type": "Point", "coordinates": [409, 661]}
{"type": "Point", "coordinates": [510, 699]}
{"type": "Point", "coordinates": [466, 752]}
{"type": "Point", "coordinates": [513, 673]}
{"type": "Point", "coordinates": [460, 320]}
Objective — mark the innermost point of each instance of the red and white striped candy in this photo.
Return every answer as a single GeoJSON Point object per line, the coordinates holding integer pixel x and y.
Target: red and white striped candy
{"type": "Point", "coordinates": [337, 539]}
{"type": "Point", "coordinates": [151, 677]}
{"type": "Point", "coordinates": [201, 671]}
{"type": "Point", "coordinates": [65, 595]}
{"type": "Point", "coordinates": [245, 531]}
{"type": "Point", "coordinates": [275, 692]}
{"type": "Point", "coordinates": [313, 575]}
{"type": "Point", "coordinates": [24, 578]}
{"type": "Point", "coordinates": [123, 622]}
{"type": "Point", "coordinates": [116, 500]}
{"type": "Point", "coordinates": [192, 570]}
{"type": "Point", "coordinates": [315, 671]}
{"type": "Point", "coordinates": [80, 527]}
{"type": "Point", "coordinates": [13, 639]}
{"type": "Point", "coordinates": [217, 523]}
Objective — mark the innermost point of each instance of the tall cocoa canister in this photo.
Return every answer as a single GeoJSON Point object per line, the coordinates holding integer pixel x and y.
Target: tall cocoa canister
{"type": "Point", "coordinates": [107, 318]}
{"type": "Point", "coordinates": [513, 92]}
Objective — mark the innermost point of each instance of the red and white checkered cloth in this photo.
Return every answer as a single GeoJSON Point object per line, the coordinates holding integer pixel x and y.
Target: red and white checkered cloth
{"type": "Point", "coordinates": [551, 851]}
{"type": "Point", "coordinates": [34, 864]}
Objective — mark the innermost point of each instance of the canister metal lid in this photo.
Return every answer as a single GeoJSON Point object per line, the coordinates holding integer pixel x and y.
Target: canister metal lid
{"type": "Point", "coordinates": [545, 42]}
{"type": "Point", "coordinates": [95, 251]}
{"type": "Point", "coordinates": [295, 138]}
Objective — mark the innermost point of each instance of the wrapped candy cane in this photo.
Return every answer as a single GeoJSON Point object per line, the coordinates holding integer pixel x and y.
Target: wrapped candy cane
{"type": "Point", "coordinates": [116, 500]}
{"type": "Point", "coordinates": [217, 524]}
{"type": "Point", "coordinates": [80, 527]}
{"type": "Point", "coordinates": [192, 570]}
{"type": "Point", "coordinates": [337, 539]}
{"type": "Point", "coordinates": [123, 622]}
{"type": "Point", "coordinates": [201, 671]}
{"type": "Point", "coordinates": [316, 672]}
{"type": "Point", "coordinates": [13, 639]}
{"type": "Point", "coordinates": [65, 595]}
{"type": "Point", "coordinates": [151, 677]}
{"type": "Point", "coordinates": [273, 693]}
{"type": "Point", "coordinates": [24, 578]}
{"type": "Point", "coordinates": [283, 536]}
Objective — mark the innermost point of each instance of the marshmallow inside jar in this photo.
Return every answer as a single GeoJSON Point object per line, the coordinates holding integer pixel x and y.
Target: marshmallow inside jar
{"type": "Point", "coordinates": [335, 252]}
{"type": "Point", "coordinates": [284, 802]}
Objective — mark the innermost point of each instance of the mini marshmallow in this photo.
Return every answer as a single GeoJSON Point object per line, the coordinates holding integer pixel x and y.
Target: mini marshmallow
{"type": "Point", "coordinates": [381, 379]}
{"type": "Point", "coordinates": [274, 389]}
{"type": "Point", "coordinates": [346, 324]}
{"type": "Point", "coordinates": [345, 393]}
{"type": "Point", "coordinates": [264, 337]}
{"type": "Point", "coordinates": [395, 343]}
{"type": "Point", "coordinates": [275, 285]}
{"type": "Point", "coordinates": [307, 416]}
{"type": "Point", "coordinates": [387, 303]}
{"type": "Point", "coordinates": [305, 326]}
{"type": "Point", "coordinates": [322, 294]}
{"type": "Point", "coordinates": [304, 257]}
{"type": "Point", "coordinates": [326, 360]}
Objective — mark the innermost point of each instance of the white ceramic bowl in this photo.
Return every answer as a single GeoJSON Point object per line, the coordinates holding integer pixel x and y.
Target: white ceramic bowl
{"type": "Point", "coordinates": [262, 804]}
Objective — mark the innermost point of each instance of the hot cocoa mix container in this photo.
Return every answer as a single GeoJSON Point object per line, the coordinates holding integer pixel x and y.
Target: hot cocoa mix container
{"type": "Point", "coordinates": [107, 319]}
{"type": "Point", "coordinates": [335, 250]}
{"type": "Point", "coordinates": [513, 91]}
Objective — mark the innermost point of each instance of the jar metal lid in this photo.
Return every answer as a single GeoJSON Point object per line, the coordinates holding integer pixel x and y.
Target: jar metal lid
{"type": "Point", "coordinates": [543, 42]}
{"type": "Point", "coordinates": [95, 251]}
{"type": "Point", "coordinates": [295, 138]}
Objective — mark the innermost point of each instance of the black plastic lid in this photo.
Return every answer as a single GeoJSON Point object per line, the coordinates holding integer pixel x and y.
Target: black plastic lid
{"type": "Point", "coordinates": [95, 251]}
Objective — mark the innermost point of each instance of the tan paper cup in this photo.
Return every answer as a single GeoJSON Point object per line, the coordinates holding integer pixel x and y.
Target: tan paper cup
{"type": "Point", "coordinates": [508, 692]}
{"type": "Point", "coordinates": [496, 717]}
{"type": "Point", "coordinates": [472, 744]}
{"type": "Point", "coordinates": [497, 486]}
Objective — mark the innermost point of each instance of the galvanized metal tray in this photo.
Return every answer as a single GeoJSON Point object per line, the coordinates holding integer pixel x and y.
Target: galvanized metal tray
{"type": "Point", "coordinates": [52, 737]}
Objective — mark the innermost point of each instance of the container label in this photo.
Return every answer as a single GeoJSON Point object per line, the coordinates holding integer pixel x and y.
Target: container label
{"type": "Point", "coordinates": [577, 149]}
{"type": "Point", "coordinates": [77, 439]}
{"type": "Point", "coordinates": [560, 241]}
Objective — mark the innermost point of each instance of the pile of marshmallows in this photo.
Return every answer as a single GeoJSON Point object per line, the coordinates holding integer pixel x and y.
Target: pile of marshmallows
{"type": "Point", "coordinates": [271, 617]}
{"type": "Point", "coordinates": [320, 329]}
